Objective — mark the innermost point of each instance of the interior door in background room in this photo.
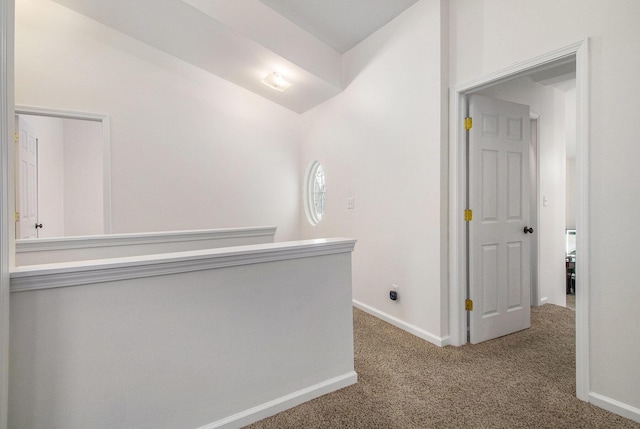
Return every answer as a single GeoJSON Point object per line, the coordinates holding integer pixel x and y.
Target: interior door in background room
{"type": "Point", "coordinates": [27, 198]}
{"type": "Point", "coordinates": [499, 232]}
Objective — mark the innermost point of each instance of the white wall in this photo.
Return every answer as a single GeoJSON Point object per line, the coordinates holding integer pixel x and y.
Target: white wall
{"type": "Point", "coordinates": [380, 142]}
{"type": "Point", "coordinates": [571, 175]}
{"type": "Point", "coordinates": [489, 35]}
{"type": "Point", "coordinates": [188, 149]}
{"type": "Point", "coordinates": [549, 103]}
{"type": "Point", "coordinates": [50, 135]}
{"type": "Point", "coordinates": [570, 114]}
{"type": "Point", "coordinates": [83, 178]}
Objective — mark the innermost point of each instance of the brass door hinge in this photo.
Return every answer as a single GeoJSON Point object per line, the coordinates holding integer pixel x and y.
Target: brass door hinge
{"type": "Point", "coordinates": [468, 305]}
{"type": "Point", "coordinates": [468, 215]}
{"type": "Point", "coordinates": [16, 216]}
{"type": "Point", "coordinates": [468, 123]}
{"type": "Point", "coordinates": [15, 137]}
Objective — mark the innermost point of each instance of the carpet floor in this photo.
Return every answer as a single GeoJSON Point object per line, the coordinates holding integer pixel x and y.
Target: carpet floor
{"type": "Point", "coordinates": [523, 380]}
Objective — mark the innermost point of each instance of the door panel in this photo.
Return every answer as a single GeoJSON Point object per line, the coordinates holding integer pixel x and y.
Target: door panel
{"type": "Point", "coordinates": [489, 279]}
{"type": "Point", "coordinates": [490, 186]}
{"type": "Point", "coordinates": [514, 186]}
{"type": "Point", "coordinates": [499, 195]}
{"type": "Point", "coordinates": [514, 276]}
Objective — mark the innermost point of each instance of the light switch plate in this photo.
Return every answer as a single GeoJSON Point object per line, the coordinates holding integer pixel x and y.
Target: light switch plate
{"type": "Point", "coordinates": [351, 204]}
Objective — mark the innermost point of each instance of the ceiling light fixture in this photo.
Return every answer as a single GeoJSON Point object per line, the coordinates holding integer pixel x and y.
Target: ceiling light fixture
{"type": "Point", "coordinates": [276, 81]}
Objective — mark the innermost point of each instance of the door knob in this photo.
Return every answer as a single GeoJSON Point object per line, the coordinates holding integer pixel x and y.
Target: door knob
{"type": "Point", "coordinates": [528, 230]}
{"type": "Point", "coordinates": [38, 225]}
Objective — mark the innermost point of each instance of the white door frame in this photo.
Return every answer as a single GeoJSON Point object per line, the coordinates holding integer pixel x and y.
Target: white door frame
{"type": "Point", "coordinates": [7, 235]}
{"type": "Point", "coordinates": [535, 212]}
{"type": "Point", "coordinates": [106, 147]}
{"type": "Point", "coordinates": [457, 193]}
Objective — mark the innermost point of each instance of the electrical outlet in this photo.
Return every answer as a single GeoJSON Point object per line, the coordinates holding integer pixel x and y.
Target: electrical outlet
{"type": "Point", "coordinates": [393, 293]}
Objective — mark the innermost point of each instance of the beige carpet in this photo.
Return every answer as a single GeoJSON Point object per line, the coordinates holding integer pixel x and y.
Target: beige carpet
{"type": "Point", "coordinates": [523, 380]}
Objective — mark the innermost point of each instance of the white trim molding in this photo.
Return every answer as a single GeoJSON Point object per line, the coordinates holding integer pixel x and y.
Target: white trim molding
{"type": "Point", "coordinates": [457, 180]}
{"type": "Point", "coordinates": [412, 329]}
{"type": "Point", "coordinates": [583, 240]}
{"type": "Point", "coordinates": [285, 402]}
{"type": "Point", "coordinates": [111, 240]}
{"type": "Point", "coordinates": [105, 120]}
{"type": "Point", "coordinates": [47, 276]}
{"type": "Point", "coordinates": [6, 205]}
{"type": "Point", "coordinates": [617, 407]}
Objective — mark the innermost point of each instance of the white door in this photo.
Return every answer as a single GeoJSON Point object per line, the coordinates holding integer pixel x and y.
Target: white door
{"type": "Point", "coordinates": [499, 244]}
{"type": "Point", "coordinates": [27, 181]}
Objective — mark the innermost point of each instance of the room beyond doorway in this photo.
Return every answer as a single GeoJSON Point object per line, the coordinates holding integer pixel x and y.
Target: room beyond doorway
{"type": "Point", "coordinates": [73, 180]}
{"type": "Point", "coordinates": [551, 95]}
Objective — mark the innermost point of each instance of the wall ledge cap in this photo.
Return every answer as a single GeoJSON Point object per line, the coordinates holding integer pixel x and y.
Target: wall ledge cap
{"type": "Point", "coordinates": [109, 240]}
{"type": "Point", "coordinates": [47, 276]}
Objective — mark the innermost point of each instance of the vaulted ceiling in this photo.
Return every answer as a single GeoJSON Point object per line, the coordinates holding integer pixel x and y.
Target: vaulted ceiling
{"type": "Point", "coordinates": [244, 40]}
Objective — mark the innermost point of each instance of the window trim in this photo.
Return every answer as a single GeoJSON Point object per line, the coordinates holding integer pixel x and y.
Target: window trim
{"type": "Point", "coordinates": [313, 216]}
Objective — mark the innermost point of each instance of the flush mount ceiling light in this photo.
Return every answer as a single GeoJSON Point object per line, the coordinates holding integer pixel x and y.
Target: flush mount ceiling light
{"type": "Point", "coordinates": [276, 81]}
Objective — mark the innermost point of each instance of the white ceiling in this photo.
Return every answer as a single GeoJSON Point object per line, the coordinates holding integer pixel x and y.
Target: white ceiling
{"type": "Point", "coordinates": [341, 24]}
{"type": "Point", "coordinates": [244, 40]}
{"type": "Point", "coordinates": [561, 76]}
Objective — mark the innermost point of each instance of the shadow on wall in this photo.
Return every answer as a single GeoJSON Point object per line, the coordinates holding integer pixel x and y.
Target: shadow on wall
{"type": "Point", "coordinates": [356, 60]}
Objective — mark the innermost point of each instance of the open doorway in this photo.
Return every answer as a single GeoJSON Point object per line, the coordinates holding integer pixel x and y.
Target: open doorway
{"type": "Point", "coordinates": [64, 190]}
{"type": "Point", "coordinates": [578, 53]}
{"type": "Point", "coordinates": [550, 93]}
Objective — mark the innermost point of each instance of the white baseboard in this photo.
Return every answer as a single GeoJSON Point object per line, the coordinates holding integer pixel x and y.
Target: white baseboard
{"type": "Point", "coordinates": [617, 407]}
{"type": "Point", "coordinates": [418, 332]}
{"type": "Point", "coordinates": [283, 403]}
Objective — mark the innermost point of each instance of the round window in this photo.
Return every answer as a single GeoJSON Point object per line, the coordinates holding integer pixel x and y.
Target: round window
{"type": "Point", "coordinates": [315, 192]}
